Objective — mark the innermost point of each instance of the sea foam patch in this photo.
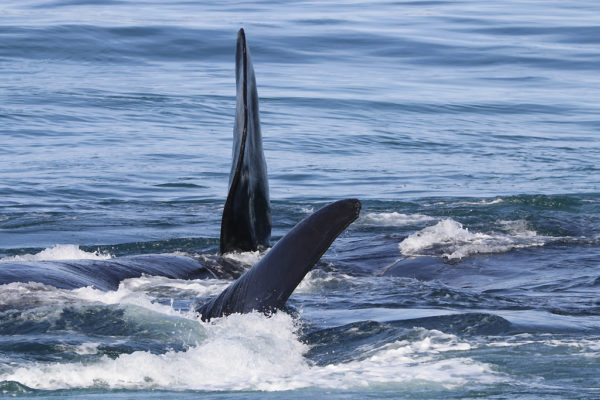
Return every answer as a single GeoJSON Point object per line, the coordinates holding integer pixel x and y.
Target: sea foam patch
{"type": "Point", "coordinates": [430, 358]}
{"type": "Point", "coordinates": [246, 257]}
{"type": "Point", "coordinates": [393, 219]}
{"type": "Point", "coordinates": [483, 202]}
{"type": "Point", "coordinates": [140, 292]}
{"type": "Point", "coordinates": [450, 239]}
{"type": "Point", "coordinates": [21, 295]}
{"type": "Point", "coordinates": [318, 280]}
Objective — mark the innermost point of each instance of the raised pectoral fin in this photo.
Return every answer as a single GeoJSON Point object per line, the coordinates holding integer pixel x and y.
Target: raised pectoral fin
{"type": "Point", "coordinates": [270, 282]}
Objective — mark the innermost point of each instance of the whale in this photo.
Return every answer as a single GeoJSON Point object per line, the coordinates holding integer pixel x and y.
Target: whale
{"type": "Point", "coordinates": [245, 226]}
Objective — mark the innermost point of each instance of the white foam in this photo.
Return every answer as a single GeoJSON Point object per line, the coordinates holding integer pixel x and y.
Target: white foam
{"type": "Point", "coordinates": [585, 347]}
{"type": "Point", "coordinates": [318, 280]}
{"type": "Point", "coordinates": [589, 347]}
{"type": "Point", "coordinates": [60, 252]}
{"type": "Point", "coordinates": [134, 291]}
{"type": "Point", "coordinates": [86, 348]}
{"type": "Point", "coordinates": [421, 361]}
{"type": "Point", "coordinates": [450, 239]}
{"type": "Point", "coordinates": [253, 352]}
{"type": "Point", "coordinates": [518, 228]}
{"type": "Point", "coordinates": [246, 257]}
{"type": "Point", "coordinates": [393, 219]}
{"type": "Point", "coordinates": [481, 202]}
{"type": "Point", "coordinates": [21, 295]}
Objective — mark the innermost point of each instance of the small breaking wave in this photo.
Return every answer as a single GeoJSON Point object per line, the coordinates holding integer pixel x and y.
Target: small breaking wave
{"type": "Point", "coordinates": [60, 252]}
{"type": "Point", "coordinates": [449, 239]}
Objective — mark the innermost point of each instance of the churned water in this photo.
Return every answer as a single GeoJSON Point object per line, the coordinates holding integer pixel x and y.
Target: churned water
{"type": "Point", "coordinates": [470, 131]}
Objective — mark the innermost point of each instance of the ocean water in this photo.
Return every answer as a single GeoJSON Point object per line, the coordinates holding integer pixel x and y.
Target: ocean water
{"type": "Point", "coordinates": [469, 130]}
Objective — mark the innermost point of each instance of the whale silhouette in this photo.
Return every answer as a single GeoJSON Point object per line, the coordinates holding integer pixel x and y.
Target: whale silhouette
{"type": "Point", "coordinates": [245, 226]}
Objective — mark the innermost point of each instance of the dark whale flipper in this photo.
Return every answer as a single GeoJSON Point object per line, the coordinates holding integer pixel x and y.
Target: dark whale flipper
{"type": "Point", "coordinates": [267, 285]}
{"type": "Point", "coordinates": [246, 223]}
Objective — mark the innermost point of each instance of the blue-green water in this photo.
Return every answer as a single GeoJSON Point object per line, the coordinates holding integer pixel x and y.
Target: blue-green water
{"type": "Point", "coordinates": [470, 131]}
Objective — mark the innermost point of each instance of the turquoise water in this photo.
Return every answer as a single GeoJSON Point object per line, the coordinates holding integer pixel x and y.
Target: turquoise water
{"type": "Point", "coordinates": [468, 129]}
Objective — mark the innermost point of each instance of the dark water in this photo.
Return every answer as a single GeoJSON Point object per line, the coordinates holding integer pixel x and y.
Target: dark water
{"type": "Point", "coordinates": [468, 129]}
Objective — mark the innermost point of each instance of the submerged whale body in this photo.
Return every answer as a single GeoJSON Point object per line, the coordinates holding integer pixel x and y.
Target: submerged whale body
{"type": "Point", "coordinates": [245, 226]}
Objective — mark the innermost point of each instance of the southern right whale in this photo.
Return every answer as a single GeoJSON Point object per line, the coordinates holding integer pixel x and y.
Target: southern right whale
{"type": "Point", "coordinates": [245, 226]}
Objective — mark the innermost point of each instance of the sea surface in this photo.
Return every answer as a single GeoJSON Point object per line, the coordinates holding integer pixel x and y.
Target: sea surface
{"type": "Point", "coordinates": [470, 131]}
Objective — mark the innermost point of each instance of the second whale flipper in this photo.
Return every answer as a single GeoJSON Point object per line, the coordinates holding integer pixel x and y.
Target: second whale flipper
{"type": "Point", "coordinates": [267, 285]}
{"type": "Point", "coordinates": [246, 222]}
